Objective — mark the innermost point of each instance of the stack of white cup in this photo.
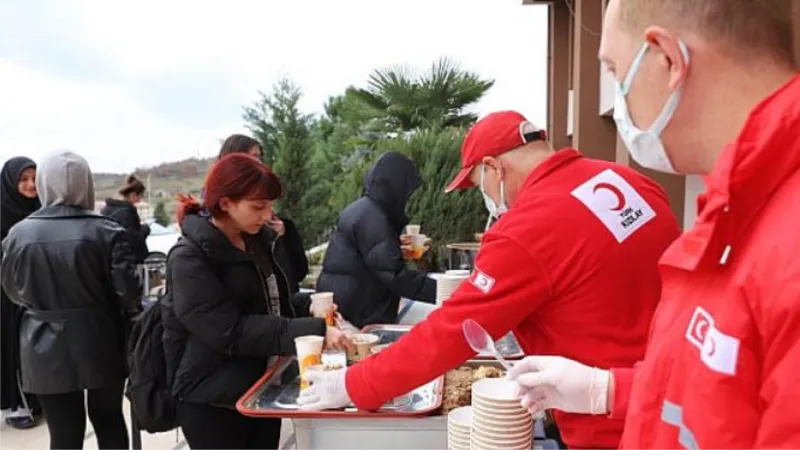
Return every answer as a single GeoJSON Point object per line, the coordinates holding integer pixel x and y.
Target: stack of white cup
{"type": "Point", "coordinates": [447, 283]}
{"type": "Point", "coordinates": [459, 423]}
{"type": "Point", "coordinates": [498, 419]}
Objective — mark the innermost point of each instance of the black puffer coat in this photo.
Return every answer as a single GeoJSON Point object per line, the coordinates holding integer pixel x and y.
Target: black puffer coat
{"type": "Point", "coordinates": [218, 330]}
{"type": "Point", "coordinates": [125, 214]}
{"type": "Point", "coordinates": [364, 265]}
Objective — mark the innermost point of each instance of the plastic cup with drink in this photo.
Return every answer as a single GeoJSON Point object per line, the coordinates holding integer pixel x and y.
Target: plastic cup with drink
{"type": "Point", "coordinates": [323, 307]}
{"type": "Point", "coordinates": [309, 353]}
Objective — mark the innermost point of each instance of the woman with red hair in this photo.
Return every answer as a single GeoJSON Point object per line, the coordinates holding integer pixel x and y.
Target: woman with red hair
{"type": "Point", "coordinates": [228, 308]}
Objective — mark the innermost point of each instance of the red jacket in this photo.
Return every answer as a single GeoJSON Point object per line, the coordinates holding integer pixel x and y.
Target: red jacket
{"type": "Point", "coordinates": [722, 368]}
{"type": "Point", "coordinates": [571, 269]}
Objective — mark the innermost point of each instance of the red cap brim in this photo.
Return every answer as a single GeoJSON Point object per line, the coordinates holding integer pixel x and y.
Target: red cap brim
{"type": "Point", "coordinates": [461, 181]}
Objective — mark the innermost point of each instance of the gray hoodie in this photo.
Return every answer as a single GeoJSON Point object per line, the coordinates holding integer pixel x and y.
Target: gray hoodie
{"type": "Point", "coordinates": [64, 178]}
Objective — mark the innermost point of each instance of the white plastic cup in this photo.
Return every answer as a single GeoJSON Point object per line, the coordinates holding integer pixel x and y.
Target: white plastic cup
{"type": "Point", "coordinates": [309, 353]}
{"type": "Point", "coordinates": [322, 304]}
{"type": "Point", "coordinates": [413, 230]}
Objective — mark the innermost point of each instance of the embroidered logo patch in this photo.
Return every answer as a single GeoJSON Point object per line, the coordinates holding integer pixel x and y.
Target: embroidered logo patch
{"type": "Point", "coordinates": [483, 282]}
{"type": "Point", "coordinates": [615, 203]}
{"type": "Point", "coordinates": [718, 351]}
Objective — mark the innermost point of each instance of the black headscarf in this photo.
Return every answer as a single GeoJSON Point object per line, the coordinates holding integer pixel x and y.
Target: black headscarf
{"type": "Point", "coordinates": [13, 205]}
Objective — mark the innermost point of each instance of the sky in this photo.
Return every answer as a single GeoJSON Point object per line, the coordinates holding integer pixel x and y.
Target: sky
{"type": "Point", "coordinates": [132, 84]}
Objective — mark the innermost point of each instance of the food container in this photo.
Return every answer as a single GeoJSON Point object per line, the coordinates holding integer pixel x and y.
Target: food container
{"type": "Point", "coordinates": [364, 342]}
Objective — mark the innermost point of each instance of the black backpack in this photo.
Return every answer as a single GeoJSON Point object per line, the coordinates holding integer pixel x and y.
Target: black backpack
{"type": "Point", "coordinates": [149, 388]}
{"type": "Point", "coordinates": [149, 392]}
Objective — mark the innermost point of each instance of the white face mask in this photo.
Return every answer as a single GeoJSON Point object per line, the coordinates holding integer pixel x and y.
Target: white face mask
{"type": "Point", "coordinates": [645, 146]}
{"type": "Point", "coordinates": [495, 210]}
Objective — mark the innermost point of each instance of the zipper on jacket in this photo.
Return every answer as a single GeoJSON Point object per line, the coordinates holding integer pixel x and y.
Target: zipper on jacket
{"type": "Point", "coordinates": [264, 289]}
{"type": "Point", "coordinates": [285, 278]}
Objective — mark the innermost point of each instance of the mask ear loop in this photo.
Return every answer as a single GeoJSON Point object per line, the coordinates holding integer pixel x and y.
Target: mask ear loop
{"type": "Point", "coordinates": [483, 191]}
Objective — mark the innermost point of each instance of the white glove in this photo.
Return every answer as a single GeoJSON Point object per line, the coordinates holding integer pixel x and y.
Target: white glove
{"type": "Point", "coordinates": [553, 382]}
{"type": "Point", "coordinates": [327, 391]}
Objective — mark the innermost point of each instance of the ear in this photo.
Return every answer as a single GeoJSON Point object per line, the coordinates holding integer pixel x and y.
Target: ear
{"type": "Point", "coordinates": [666, 46]}
{"type": "Point", "coordinates": [225, 204]}
{"type": "Point", "coordinates": [493, 163]}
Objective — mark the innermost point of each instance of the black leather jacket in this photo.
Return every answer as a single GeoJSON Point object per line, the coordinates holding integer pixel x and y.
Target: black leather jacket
{"type": "Point", "coordinates": [75, 275]}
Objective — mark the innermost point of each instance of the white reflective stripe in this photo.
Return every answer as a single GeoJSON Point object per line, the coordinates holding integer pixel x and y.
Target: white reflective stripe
{"type": "Point", "coordinates": [673, 415]}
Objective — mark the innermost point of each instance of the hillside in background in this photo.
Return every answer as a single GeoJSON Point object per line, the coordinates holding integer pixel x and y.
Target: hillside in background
{"type": "Point", "coordinates": [166, 180]}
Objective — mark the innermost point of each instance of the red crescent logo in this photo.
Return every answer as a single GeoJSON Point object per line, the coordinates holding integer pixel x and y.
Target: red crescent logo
{"type": "Point", "coordinates": [701, 330]}
{"type": "Point", "coordinates": [712, 347]}
{"type": "Point", "coordinates": [614, 190]}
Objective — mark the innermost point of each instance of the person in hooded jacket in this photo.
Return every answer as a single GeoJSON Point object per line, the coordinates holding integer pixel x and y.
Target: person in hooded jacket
{"type": "Point", "coordinates": [364, 265]}
{"type": "Point", "coordinates": [19, 200]}
{"type": "Point", "coordinates": [229, 311]}
{"type": "Point", "coordinates": [74, 273]}
{"type": "Point", "coordinates": [124, 211]}
{"type": "Point", "coordinates": [289, 249]}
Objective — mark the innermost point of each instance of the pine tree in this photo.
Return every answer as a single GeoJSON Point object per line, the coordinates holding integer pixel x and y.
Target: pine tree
{"type": "Point", "coordinates": [160, 214]}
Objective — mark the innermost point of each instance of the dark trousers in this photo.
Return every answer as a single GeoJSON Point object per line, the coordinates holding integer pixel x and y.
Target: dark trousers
{"type": "Point", "coordinates": [66, 417]}
{"type": "Point", "coordinates": [212, 427]}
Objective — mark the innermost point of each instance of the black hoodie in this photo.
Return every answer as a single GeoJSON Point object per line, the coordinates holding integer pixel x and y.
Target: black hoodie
{"type": "Point", "coordinates": [364, 265]}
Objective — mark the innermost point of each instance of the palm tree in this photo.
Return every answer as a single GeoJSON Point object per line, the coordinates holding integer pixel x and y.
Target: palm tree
{"type": "Point", "coordinates": [398, 99]}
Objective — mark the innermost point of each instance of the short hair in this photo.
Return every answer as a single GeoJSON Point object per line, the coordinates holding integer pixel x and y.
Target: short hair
{"type": "Point", "coordinates": [236, 176]}
{"type": "Point", "coordinates": [758, 29]}
{"type": "Point", "coordinates": [238, 143]}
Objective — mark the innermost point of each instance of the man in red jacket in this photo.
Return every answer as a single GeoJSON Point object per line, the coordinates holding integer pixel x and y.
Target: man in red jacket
{"type": "Point", "coordinates": [717, 85]}
{"type": "Point", "coordinates": [570, 267]}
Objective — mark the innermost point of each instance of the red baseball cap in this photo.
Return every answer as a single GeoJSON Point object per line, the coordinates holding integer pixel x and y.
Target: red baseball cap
{"type": "Point", "coordinates": [495, 134]}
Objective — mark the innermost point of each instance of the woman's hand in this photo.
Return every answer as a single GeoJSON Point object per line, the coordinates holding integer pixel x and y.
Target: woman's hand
{"type": "Point", "coordinates": [276, 224]}
{"type": "Point", "coordinates": [336, 339]}
{"type": "Point", "coordinates": [405, 239]}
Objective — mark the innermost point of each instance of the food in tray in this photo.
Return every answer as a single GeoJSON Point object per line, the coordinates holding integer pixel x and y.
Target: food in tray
{"type": "Point", "coordinates": [487, 372]}
{"type": "Point", "coordinates": [458, 385]}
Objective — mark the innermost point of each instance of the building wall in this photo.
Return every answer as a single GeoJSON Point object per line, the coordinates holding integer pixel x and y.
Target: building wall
{"type": "Point", "coordinates": [581, 93]}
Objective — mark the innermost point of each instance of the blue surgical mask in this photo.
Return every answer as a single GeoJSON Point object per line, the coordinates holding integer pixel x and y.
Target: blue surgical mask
{"type": "Point", "coordinates": [645, 146]}
{"type": "Point", "coordinates": [495, 210]}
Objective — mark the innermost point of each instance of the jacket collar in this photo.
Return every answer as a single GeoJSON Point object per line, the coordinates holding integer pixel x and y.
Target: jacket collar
{"type": "Point", "coordinates": [554, 162]}
{"type": "Point", "coordinates": [63, 212]}
{"type": "Point", "coordinates": [750, 169]}
{"type": "Point", "coordinates": [215, 244]}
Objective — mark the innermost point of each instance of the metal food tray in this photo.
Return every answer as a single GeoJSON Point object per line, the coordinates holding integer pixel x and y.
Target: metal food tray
{"type": "Point", "coordinates": [508, 346]}
{"type": "Point", "coordinates": [275, 395]}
